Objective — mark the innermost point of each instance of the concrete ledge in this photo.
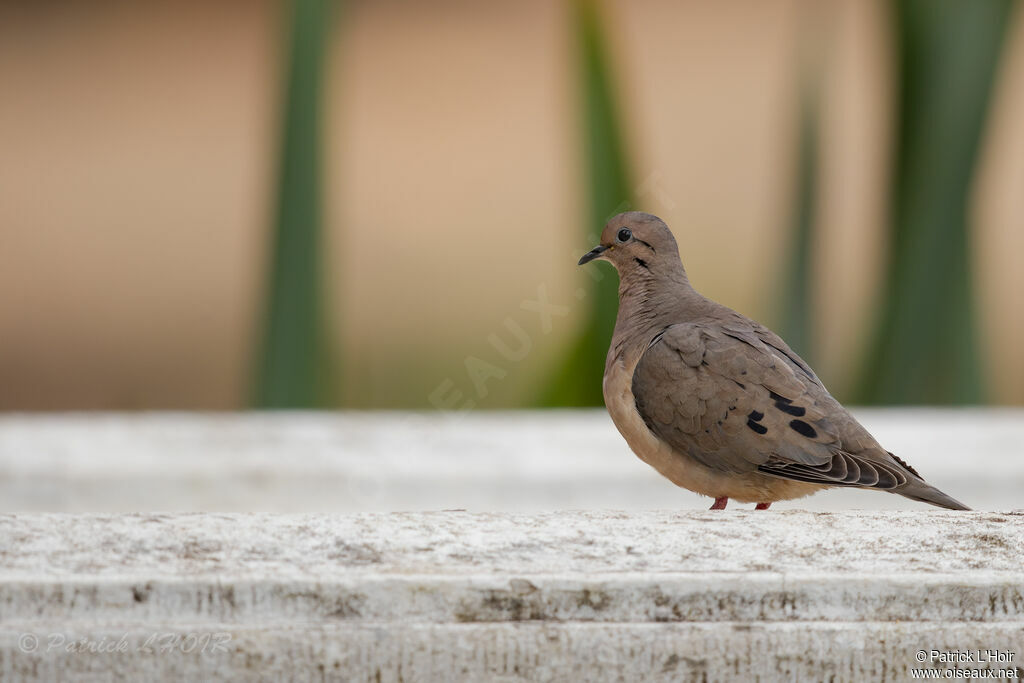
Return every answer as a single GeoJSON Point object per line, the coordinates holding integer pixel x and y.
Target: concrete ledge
{"type": "Point", "coordinates": [461, 596]}
{"type": "Point", "coordinates": [384, 462]}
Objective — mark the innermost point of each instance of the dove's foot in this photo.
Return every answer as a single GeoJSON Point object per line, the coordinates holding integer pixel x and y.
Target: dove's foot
{"type": "Point", "coordinates": [720, 503]}
{"type": "Point", "coordinates": [762, 506]}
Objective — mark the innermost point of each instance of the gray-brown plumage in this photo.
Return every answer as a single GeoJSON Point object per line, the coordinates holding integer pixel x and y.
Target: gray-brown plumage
{"type": "Point", "coordinates": [718, 403]}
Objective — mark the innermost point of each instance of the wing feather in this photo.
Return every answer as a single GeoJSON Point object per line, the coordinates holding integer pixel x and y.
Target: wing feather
{"type": "Point", "coordinates": [735, 398]}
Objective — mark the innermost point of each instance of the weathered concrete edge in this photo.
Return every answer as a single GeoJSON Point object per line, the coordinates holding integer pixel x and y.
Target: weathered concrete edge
{"type": "Point", "coordinates": [360, 461]}
{"type": "Point", "coordinates": [619, 598]}
{"type": "Point", "coordinates": [470, 652]}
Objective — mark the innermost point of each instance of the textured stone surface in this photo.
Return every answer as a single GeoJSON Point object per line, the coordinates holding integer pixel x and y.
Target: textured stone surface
{"type": "Point", "coordinates": [472, 596]}
{"type": "Point", "coordinates": [635, 594]}
{"type": "Point", "coordinates": [383, 462]}
{"type": "Point", "coordinates": [872, 651]}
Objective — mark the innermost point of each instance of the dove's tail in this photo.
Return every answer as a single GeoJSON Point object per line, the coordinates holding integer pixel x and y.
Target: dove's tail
{"type": "Point", "coordinates": [918, 490]}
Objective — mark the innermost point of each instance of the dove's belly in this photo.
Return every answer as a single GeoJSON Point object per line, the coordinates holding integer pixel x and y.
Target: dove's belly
{"type": "Point", "coordinates": [679, 468]}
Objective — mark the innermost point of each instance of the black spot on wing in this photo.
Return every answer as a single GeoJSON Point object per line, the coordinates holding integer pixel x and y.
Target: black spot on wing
{"type": "Point", "coordinates": [756, 416]}
{"type": "Point", "coordinates": [777, 398]}
{"type": "Point", "coordinates": [757, 427]}
{"type": "Point", "coordinates": [801, 427]}
{"type": "Point", "coordinates": [790, 409]}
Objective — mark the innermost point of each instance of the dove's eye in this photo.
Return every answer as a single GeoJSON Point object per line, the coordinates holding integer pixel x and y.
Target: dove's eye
{"type": "Point", "coordinates": [625, 235]}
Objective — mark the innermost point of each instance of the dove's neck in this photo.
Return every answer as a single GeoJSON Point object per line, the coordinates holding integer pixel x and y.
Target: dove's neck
{"type": "Point", "coordinates": [647, 305]}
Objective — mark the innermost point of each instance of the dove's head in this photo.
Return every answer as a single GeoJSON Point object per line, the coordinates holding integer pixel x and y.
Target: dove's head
{"type": "Point", "coordinates": [636, 242]}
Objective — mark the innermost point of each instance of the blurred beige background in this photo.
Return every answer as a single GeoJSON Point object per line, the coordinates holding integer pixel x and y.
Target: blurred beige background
{"type": "Point", "coordinates": [137, 151]}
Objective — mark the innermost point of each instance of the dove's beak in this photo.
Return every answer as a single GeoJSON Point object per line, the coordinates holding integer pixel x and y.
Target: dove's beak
{"type": "Point", "coordinates": [592, 254]}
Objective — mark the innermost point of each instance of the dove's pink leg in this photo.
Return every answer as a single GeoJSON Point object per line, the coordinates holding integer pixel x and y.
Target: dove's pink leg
{"type": "Point", "coordinates": [762, 506]}
{"type": "Point", "coordinates": [720, 503]}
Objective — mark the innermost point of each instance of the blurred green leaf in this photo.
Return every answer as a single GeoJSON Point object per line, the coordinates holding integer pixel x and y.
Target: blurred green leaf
{"type": "Point", "coordinates": [797, 313]}
{"type": "Point", "coordinates": [577, 380]}
{"type": "Point", "coordinates": [924, 350]}
{"type": "Point", "coordinates": [291, 372]}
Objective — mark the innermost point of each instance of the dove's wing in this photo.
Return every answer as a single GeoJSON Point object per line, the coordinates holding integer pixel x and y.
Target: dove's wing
{"type": "Point", "coordinates": [734, 397]}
